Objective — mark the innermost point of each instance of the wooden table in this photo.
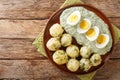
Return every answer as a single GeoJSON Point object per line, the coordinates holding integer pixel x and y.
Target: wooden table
{"type": "Point", "coordinates": [22, 20]}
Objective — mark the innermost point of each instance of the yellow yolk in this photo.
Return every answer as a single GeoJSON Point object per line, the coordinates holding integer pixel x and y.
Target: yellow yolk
{"type": "Point", "coordinates": [84, 25]}
{"type": "Point", "coordinates": [73, 18]}
{"type": "Point", "coordinates": [101, 39]}
{"type": "Point", "coordinates": [91, 33]}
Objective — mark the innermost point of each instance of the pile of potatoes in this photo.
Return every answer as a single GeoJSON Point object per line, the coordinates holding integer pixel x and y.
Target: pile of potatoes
{"type": "Point", "coordinates": [69, 56]}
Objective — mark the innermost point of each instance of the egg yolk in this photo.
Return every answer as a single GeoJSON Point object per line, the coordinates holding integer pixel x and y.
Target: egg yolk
{"type": "Point", "coordinates": [91, 32]}
{"type": "Point", "coordinates": [84, 25]}
{"type": "Point", "coordinates": [101, 39]}
{"type": "Point", "coordinates": [73, 18]}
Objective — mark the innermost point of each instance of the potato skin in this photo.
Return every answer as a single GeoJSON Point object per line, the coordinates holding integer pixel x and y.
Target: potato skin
{"type": "Point", "coordinates": [66, 40]}
{"type": "Point", "coordinates": [72, 51]}
{"type": "Point", "coordinates": [85, 64]}
{"type": "Point", "coordinates": [56, 30]}
{"type": "Point", "coordinates": [53, 44]}
{"type": "Point", "coordinates": [96, 59]}
{"type": "Point", "coordinates": [60, 57]}
{"type": "Point", "coordinates": [73, 65]}
{"type": "Point", "coordinates": [85, 52]}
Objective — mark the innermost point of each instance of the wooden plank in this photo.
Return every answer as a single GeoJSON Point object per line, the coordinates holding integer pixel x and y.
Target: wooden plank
{"type": "Point", "coordinates": [116, 51]}
{"type": "Point", "coordinates": [110, 71]}
{"type": "Point", "coordinates": [115, 21]}
{"type": "Point", "coordinates": [42, 9]}
{"type": "Point", "coordinates": [28, 9]}
{"type": "Point", "coordinates": [38, 69]}
{"type": "Point", "coordinates": [28, 28]}
{"type": "Point", "coordinates": [111, 8]}
{"type": "Point", "coordinates": [30, 69]}
{"type": "Point", "coordinates": [18, 49]}
{"type": "Point", "coordinates": [21, 28]}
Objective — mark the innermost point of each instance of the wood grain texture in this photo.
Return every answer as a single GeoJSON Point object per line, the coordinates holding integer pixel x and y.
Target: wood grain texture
{"type": "Point", "coordinates": [28, 9]}
{"type": "Point", "coordinates": [18, 49]}
{"type": "Point", "coordinates": [115, 21]}
{"type": "Point", "coordinates": [111, 8]}
{"type": "Point", "coordinates": [29, 28]}
{"type": "Point", "coordinates": [20, 23]}
{"type": "Point", "coordinates": [116, 51]}
{"type": "Point", "coordinates": [110, 71]}
{"type": "Point", "coordinates": [21, 28]}
{"type": "Point", "coordinates": [42, 9]}
{"type": "Point", "coordinates": [38, 69]}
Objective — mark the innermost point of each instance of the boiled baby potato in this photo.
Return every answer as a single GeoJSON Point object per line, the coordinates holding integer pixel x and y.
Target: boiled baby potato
{"type": "Point", "coordinates": [60, 57]}
{"type": "Point", "coordinates": [73, 65]}
{"type": "Point", "coordinates": [85, 64]}
{"type": "Point", "coordinates": [56, 30]}
{"type": "Point", "coordinates": [53, 44]}
{"type": "Point", "coordinates": [85, 52]}
{"type": "Point", "coordinates": [96, 59]}
{"type": "Point", "coordinates": [72, 51]}
{"type": "Point", "coordinates": [66, 40]}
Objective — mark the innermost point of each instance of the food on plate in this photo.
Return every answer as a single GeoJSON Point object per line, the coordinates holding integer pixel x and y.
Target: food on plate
{"type": "Point", "coordinates": [92, 33]}
{"type": "Point", "coordinates": [53, 44]}
{"type": "Point", "coordinates": [102, 41]}
{"type": "Point", "coordinates": [85, 64]}
{"type": "Point", "coordinates": [60, 57]}
{"type": "Point", "coordinates": [96, 59]}
{"type": "Point", "coordinates": [66, 40]}
{"type": "Point", "coordinates": [84, 26]}
{"type": "Point", "coordinates": [87, 29]}
{"type": "Point", "coordinates": [72, 51]}
{"type": "Point", "coordinates": [73, 65]}
{"type": "Point", "coordinates": [56, 30]}
{"type": "Point", "coordinates": [73, 18]}
{"type": "Point", "coordinates": [85, 52]}
{"type": "Point", "coordinates": [79, 40]}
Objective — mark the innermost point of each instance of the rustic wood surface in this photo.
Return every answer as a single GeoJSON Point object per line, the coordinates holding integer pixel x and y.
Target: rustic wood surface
{"type": "Point", "coordinates": [22, 20]}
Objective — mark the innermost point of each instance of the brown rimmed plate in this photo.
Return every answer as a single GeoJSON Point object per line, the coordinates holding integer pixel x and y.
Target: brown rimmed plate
{"type": "Point", "coordinates": [55, 19]}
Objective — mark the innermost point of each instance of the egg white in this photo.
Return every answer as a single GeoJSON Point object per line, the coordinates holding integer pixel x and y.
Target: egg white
{"type": "Point", "coordinates": [105, 43]}
{"type": "Point", "coordinates": [97, 31]}
{"type": "Point", "coordinates": [80, 30]}
{"type": "Point", "coordinates": [74, 22]}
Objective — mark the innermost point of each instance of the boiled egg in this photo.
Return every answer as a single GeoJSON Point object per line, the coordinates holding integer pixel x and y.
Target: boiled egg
{"type": "Point", "coordinates": [84, 26]}
{"type": "Point", "coordinates": [74, 18]}
{"type": "Point", "coordinates": [92, 33]}
{"type": "Point", "coordinates": [102, 41]}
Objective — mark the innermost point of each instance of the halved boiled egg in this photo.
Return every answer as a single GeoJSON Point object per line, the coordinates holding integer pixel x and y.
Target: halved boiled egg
{"type": "Point", "coordinates": [74, 18]}
{"type": "Point", "coordinates": [84, 26]}
{"type": "Point", "coordinates": [102, 41]}
{"type": "Point", "coordinates": [92, 33]}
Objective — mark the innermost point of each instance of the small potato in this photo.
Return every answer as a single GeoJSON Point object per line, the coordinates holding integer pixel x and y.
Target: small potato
{"type": "Point", "coordinates": [85, 64]}
{"type": "Point", "coordinates": [56, 30]}
{"type": "Point", "coordinates": [66, 40]}
{"type": "Point", "coordinates": [72, 51]}
{"type": "Point", "coordinates": [53, 44]}
{"type": "Point", "coordinates": [73, 65]}
{"type": "Point", "coordinates": [60, 57]}
{"type": "Point", "coordinates": [85, 52]}
{"type": "Point", "coordinates": [96, 59]}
